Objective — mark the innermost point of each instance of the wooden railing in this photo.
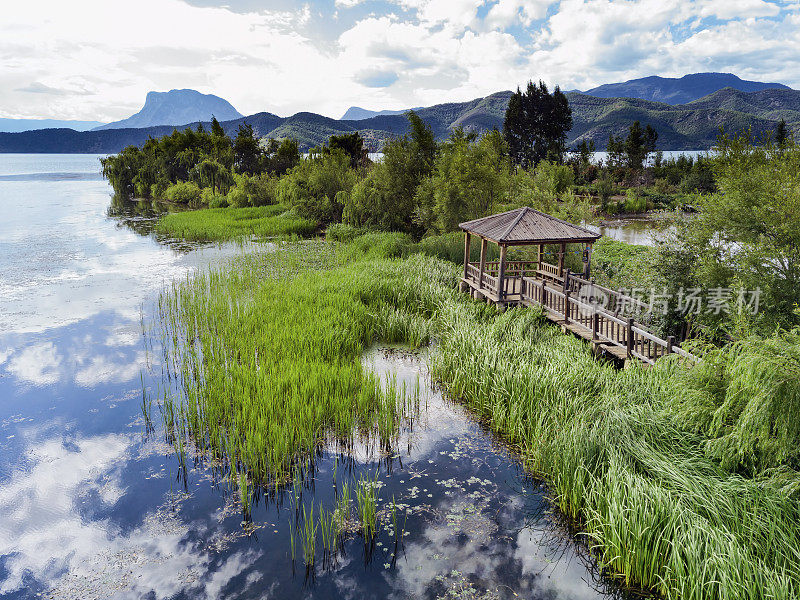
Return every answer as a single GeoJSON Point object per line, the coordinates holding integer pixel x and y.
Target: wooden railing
{"type": "Point", "coordinates": [598, 324]}
{"type": "Point", "coordinates": [595, 312]}
{"type": "Point", "coordinates": [551, 272]}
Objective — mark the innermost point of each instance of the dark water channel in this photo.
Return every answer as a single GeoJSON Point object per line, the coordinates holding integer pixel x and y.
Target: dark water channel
{"type": "Point", "coordinates": [92, 506]}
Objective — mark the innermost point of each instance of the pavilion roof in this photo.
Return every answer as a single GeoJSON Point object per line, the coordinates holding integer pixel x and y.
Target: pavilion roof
{"type": "Point", "coordinates": [527, 226]}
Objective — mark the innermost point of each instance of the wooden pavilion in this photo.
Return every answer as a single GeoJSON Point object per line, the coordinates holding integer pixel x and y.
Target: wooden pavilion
{"type": "Point", "coordinates": [603, 316]}
{"type": "Point", "coordinates": [501, 281]}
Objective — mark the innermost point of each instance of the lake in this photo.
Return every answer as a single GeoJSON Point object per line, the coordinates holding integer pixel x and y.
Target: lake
{"type": "Point", "coordinates": [95, 505]}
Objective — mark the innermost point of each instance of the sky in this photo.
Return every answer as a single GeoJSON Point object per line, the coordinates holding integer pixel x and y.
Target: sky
{"type": "Point", "coordinates": [97, 59]}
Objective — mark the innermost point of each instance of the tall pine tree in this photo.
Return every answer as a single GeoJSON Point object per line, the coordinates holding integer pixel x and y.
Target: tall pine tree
{"type": "Point", "coordinates": [536, 125]}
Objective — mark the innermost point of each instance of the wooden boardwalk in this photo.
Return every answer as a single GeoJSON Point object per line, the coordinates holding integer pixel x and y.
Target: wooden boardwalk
{"type": "Point", "coordinates": [590, 311]}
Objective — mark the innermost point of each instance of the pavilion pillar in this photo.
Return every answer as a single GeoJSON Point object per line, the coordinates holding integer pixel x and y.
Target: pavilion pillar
{"type": "Point", "coordinates": [464, 285]}
{"type": "Point", "coordinates": [501, 274]}
{"type": "Point", "coordinates": [484, 244]}
{"type": "Point", "coordinates": [539, 257]}
{"type": "Point", "coordinates": [587, 257]}
{"type": "Point", "coordinates": [561, 253]}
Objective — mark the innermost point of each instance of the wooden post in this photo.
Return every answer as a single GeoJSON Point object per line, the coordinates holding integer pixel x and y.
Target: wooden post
{"type": "Point", "coordinates": [539, 257]}
{"type": "Point", "coordinates": [566, 306]}
{"type": "Point", "coordinates": [670, 344]}
{"type": "Point", "coordinates": [586, 264]}
{"type": "Point", "coordinates": [466, 253]}
{"type": "Point", "coordinates": [630, 337]}
{"type": "Point", "coordinates": [561, 253]}
{"type": "Point", "coordinates": [501, 274]}
{"type": "Point", "coordinates": [566, 281]}
{"type": "Point", "coordinates": [595, 323]}
{"type": "Point", "coordinates": [543, 295]}
{"type": "Point", "coordinates": [484, 243]}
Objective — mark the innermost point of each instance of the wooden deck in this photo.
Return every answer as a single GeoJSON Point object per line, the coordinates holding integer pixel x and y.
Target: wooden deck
{"type": "Point", "coordinates": [594, 313]}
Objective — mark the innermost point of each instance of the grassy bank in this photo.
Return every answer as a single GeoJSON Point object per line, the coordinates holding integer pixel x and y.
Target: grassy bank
{"type": "Point", "coordinates": [655, 465]}
{"type": "Point", "coordinates": [225, 224]}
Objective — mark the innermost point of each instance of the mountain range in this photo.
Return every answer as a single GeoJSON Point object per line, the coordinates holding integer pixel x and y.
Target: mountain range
{"type": "Point", "coordinates": [356, 113]}
{"type": "Point", "coordinates": [692, 125]}
{"type": "Point", "coordinates": [680, 90]}
{"type": "Point", "coordinates": [15, 125]}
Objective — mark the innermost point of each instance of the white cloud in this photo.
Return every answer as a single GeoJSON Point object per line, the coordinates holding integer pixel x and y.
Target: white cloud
{"type": "Point", "coordinates": [102, 369]}
{"type": "Point", "coordinates": [99, 60]}
{"type": "Point", "coordinates": [38, 364]}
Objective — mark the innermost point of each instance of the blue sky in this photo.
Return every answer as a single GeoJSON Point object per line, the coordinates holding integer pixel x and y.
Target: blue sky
{"type": "Point", "coordinates": [97, 59]}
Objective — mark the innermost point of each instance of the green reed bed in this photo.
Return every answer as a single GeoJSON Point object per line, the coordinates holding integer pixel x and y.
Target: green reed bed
{"type": "Point", "coordinates": [225, 224]}
{"type": "Point", "coordinates": [649, 492]}
{"type": "Point", "coordinates": [682, 479]}
{"type": "Point", "coordinates": [267, 354]}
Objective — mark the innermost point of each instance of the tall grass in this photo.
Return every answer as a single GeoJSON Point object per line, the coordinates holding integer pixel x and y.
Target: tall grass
{"type": "Point", "coordinates": [224, 224]}
{"type": "Point", "coordinates": [268, 355]}
{"type": "Point", "coordinates": [682, 479]}
{"type": "Point", "coordinates": [662, 513]}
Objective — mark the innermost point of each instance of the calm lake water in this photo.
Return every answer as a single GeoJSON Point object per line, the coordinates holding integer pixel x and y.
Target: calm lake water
{"type": "Point", "coordinates": [92, 506]}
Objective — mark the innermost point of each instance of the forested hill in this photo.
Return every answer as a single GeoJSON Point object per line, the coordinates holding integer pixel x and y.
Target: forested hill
{"type": "Point", "coordinates": [690, 126]}
{"type": "Point", "coordinates": [678, 90]}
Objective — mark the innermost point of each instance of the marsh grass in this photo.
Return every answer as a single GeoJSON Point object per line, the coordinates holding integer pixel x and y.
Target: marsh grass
{"type": "Point", "coordinates": [226, 224]}
{"type": "Point", "coordinates": [367, 506]}
{"type": "Point", "coordinates": [264, 358]}
{"type": "Point", "coordinates": [660, 511]}
{"type": "Point", "coordinates": [681, 479]}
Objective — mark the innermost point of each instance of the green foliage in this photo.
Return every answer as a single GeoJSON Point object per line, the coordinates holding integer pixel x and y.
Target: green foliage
{"type": "Point", "coordinates": [212, 173]}
{"type": "Point", "coordinates": [224, 224]}
{"type": "Point", "coordinates": [237, 198]}
{"type": "Point", "coordinates": [552, 178]}
{"type": "Point", "coordinates": [450, 247]}
{"type": "Point", "coordinates": [745, 399]}
{"type": "Point", "coordinates": [747, 237]}
{"type": "Point", "coordinates": [312, 186]}
{"type": "Point", "coordinates": [184, 192]}
{"type": "Point", "coordinates": [351, 144]}
{"type": "Point", "coordinates": [536, 125]}
{"type": "Point", "coordinates": [212, 200]}
{"type": "Point", "coordinates": [247, 151]}
{"type": "Point", "coordinates": [342, 232]}
{"type": "Point", "coordinates": [386, 198]}
{"type": "Point", "coordinates": [634, 203]}
{"type": "Point", "coordinates": [469, 179]}
{"type": "Point", "coordinates": [281, 155]}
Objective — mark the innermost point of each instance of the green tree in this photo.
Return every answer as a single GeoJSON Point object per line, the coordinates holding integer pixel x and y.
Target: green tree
{"type": "Point", "coordinates": [213, 174]}
{"type": "Point", "coordinates": [386, 197]}
{"type": "Point", "coordinates": [747, 237]}
{"type": "Point", "coordinates": [312, 187]}
{"type": "Point", "coordinates": [469, 179]}
{"type": "Point", "coordinates": [536, 125]}
{"type": "Point", "coordinates": [781, 134]}
{"type": "Point", "coordinates": [247, 151]}
{"type": "Point", "coordinates": [585, 150]}
{"type": "Point", "coordinates": [222, 147]}
{"type": "Point", "coordinates": [282, 155]}
{"type": "Point", "coordinates": [639, 144]}
{"type": "Point", "coordinates": [351, 144]}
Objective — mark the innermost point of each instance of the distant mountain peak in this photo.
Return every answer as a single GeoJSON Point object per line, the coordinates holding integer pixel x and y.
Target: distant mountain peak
{"type": "Point", "coordinates": [356, 113]}
{"type": "Point", "coordinates": [678, 90]}
{"type": "Point", "coordinates": [177, 107]}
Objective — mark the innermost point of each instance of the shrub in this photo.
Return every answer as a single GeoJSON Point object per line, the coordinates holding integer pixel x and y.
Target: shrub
{"type": "Point", "coordinates": [342, 232]}
{"type": "Point", "coordinates": [634, 203]}
{"type": "Point", "coordinates": [450, 247]}
{"type": "Point", "coordinates": [183, 192]}
{"type": "Point", "coordinates": [312, 187]}
{"type": "Point", "coordinates": [237, 197]}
